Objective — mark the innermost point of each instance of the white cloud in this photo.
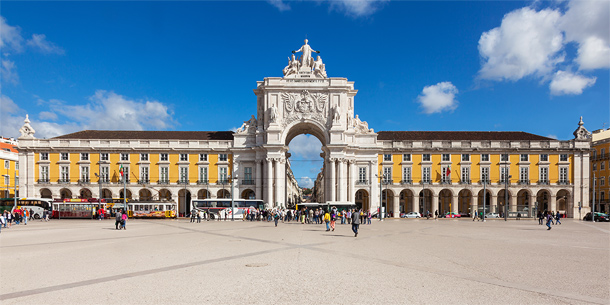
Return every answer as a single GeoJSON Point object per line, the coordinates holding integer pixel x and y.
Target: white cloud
{"type": "Point", "coordinates": [47, 115]}
{"type": "Point", "coordinates": [593, 53]}
{"type": "Point", "coordinates": [306, 147]}
{"type": "Point", "coordinates": [588, 24]}
{"type": "Point", "coordinates": [306, 182]}
{"type": "Point", "coordinates": [280, 5]}
{"type": "Point", "coordinates": [357, 8]}
{"type": "Point", "coordinates": [552, 136]}
{"type": "Point", "coordinates": [40, 42]}
{"type": "Point", "coordinates": [10, 37]}
{"type": "Point", "coordinates": [567, 83]}
{"type": "Point", "coordinates": [438, 98]}
{"type": "Point", "coordinates": [528, 42]}
{"type": "Point", "coordinates": [8, 73]}
{"type": "Point", "coordinates": [105, 110]}
{"type": "Point", "coordinates": [10, 122]}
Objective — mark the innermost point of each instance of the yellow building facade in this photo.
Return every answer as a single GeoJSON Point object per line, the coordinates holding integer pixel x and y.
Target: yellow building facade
{"type": "Point", "coordinates": [600, 170]}
{"type": "Point", "coordinates": [9, 166]}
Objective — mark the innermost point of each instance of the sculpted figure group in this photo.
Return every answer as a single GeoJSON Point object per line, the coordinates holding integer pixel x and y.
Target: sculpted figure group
{"type": "Point", "coordinates": [305, 62]}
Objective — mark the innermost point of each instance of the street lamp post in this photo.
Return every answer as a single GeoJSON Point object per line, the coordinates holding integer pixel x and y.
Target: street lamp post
{"type": "Point", "coordinates": [506, 177]}
{"type": "Point", "coordinates": [593, 202]}
{"type": "Point", "coordinates": [380, 196]}
{"type": "Point", "coordinates": [484, 197]}
{"type": "Point", "coordinates": [15, 182]}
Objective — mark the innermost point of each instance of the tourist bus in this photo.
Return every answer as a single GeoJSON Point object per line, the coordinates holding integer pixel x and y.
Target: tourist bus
{"type": "Point", "coordinates": [309, 205]}
{"type": "Point", "coordinates": [150, 209]}
{"type": "Point", "coordinates": [221, 207]}
{"type": "Point", "coordinates": [340, 205]}
{"type": "Point", "coordinates": [37, 205]}
{"type": "Point", "coordinates": [77, 208]}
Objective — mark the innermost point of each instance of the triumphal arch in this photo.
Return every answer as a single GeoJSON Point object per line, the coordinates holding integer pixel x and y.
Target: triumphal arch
{"type": "Point", "coordinates": [306, 101]}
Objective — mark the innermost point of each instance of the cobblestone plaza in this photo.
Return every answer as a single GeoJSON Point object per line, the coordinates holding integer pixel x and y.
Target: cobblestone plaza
{"type": "Point", "coordinates": [390, 262]}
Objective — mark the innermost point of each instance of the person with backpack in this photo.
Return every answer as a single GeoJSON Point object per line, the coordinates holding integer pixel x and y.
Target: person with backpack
{"type": "Point", "coordinates": [557, 217]}
{"type": "Point", "coordinates": [333, 219]}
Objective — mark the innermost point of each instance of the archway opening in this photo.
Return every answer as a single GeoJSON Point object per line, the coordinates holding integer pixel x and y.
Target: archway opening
{"type": "Point", "coordinates": [465, 201]}
{"type": "Point", "coordinates": [248, 194]}
{"type": "Point", "coordinates": [165, 194]}
{"type": "Point", "coordinates": [65, 194]}
{"type": "Point", "coordinates": [106, 194]}
{"type": "Point", "coordinates": [486, 203]}
{"type": "Point", "coordinates": [387, 201]}
{"type": "Point", "coordinates": [128, 194]}
{"type": "Point", "coordinates": [223, 194]}
{"type": "Point", "coordinates": [305, 178]}
{"type": "Point", "coordinates": [184, 202]}
{"type": "Point", "coordinates": [203, 194]}
{"type": "Point", "coordinates": [542, 200]}
{"type": "Point", "coordinates": [362, 200]}
{"type": "Point", "coordinates": [563, 204]}
{"type": "Point", "coordinates": [46, 193]}
{"type": "Point", "coordinates": [425, 202]}
{"type": "Point", "coordinates": [406, 201]}
{"type": "Point", "coordinates": [445, 203]}
{"type": "Point", "coordinates": [145, 194]}
{"type": "Point", "coordinates": [85, 194]}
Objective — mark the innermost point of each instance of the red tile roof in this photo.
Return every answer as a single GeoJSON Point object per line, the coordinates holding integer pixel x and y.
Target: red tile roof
{"type": "Point", "coordinates": [149, 135]}
{"type": "Point", "coordinates": [459, 135]}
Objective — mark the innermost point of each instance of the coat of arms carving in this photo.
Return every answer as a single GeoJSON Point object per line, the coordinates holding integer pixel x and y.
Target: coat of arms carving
{"type": "Point", "coordinates": [304, 105]}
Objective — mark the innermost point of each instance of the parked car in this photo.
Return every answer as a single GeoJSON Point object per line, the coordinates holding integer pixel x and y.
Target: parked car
{"type": "Point", "coordinates": [492, 215]}
{"type": "Point", "coordinates": [598, 217]}
{"type": "Point", "coordinates": [452, 215]}
{"type": "Point", "coordinates": [412, 215]}
{"type": "Point", "coordinates": [464, 214]}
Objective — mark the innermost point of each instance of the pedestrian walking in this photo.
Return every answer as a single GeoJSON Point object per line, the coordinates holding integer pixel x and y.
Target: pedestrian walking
{"type": "Point", "coordinates": [199, 216]}
{"type": "Point", "coordinates": [327, 221]}
{"type": "Point", "coordinates": [557, 217]}
{"type": "Point", "coordinates": [355, 222]}
{"type": "Point", "coordinates": [118, 219]}
{"type": "Point", "coordinates": [333, 219]}
{"type": "Point", "coordinates": [475, 216]}
{"type": "Point", "coordinates": [435, 214]}
{"type": "Point", "coordinates": [549, 219]}
{"type": "Point", "coordinates": [368, 217]}
{"type": "Point", "coordinates": [539, 215]}
{"type": "Point", "coordinates": [276, 217]}
{"type": "Point", "coordinates": [124, 220]}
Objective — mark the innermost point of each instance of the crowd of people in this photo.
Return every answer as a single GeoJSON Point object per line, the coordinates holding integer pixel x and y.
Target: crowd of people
{"type": "Point", "coordinates": [304, 216]}
{"type": "Point", "coordinates": [19, 216]}
{"type": "Point", "coordinates": [551, 217]}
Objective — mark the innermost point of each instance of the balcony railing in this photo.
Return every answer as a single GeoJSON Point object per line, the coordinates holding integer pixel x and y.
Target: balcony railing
{"type": "Point", "coordinates": [543, 182]}
{"type": "Point", "coordinates": [222, 181]}
{"type": "Point", "coordinates": [247, 182]}
{"type": "Point", "coordinates": [524, 182]}
{"type": "Point", "coordinates": [103, 180]}
{"type": "Point", "coordinates": [465, 181]}
{"type": "Point", "coordinates": [388, 181]}
{"type": "Point", "coordinates": [362, 182]}
{"type": "Point", "coordinates": [183, 181]}
{"type": "Point", "coordinates": [445, 181]}
{"type": "Point", "coordinates": [504, 181]}
{"type": "Point", "coordinates": [120, 181]}
{"type": "Point", "coordinates": [600, 157]}
{"type": "Point", "coordinates": [84, 181]}
{"type": "Point", "coordinates": [563, 182]}
{"type": "Point", "coordinates": [163, 181]}
{"type": "Point", "coordinates": [426, 181]}
{"type": "Point", "coordinates": [144, 181]}
{"type": "Point", "coordinates": [485, 181]}
{"type": "Point", "coordinates": [203, 182]}
{"type": "Point", "coordinates": [406, 181]}
{"type": "Point", "coordinates": [44, 181]}
{"type": "Point", "coordinates": [63, 180]}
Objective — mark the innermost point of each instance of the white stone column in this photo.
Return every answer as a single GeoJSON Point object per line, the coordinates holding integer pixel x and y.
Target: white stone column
{"type": "Point", "coordinates": [259, 178]}
{"type": "Point", "coordinates": [454, 204]}
{"type": "Point", "coordinates": [513, 203]}
{"type": "Point", "coordinates": [396, 206]}
{"type": "Point", "coordinates": [374, 187]}
{"type": "Point", "coordinates": [333, 180]}
{"type": "Point", "coordinates": [474, 205]}
{"type": "Point", "coordinates": [415, 203]}
{"type": "Point", "coordinates": [352, 181]}
{"type": "Point", "coordinates": [342, 181]}
{"type": "Point", "coordinates": [278, 182]}
{"type": "Point", "coordinates": [553, 201]}
{"type": "Point", "coordinates": [269, 181]}
{"type": "Point", "coordinates": [434, 206]}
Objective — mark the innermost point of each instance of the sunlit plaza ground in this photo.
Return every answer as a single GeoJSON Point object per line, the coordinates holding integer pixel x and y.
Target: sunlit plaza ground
{"type": "Point", "coordinates": [395, 261]}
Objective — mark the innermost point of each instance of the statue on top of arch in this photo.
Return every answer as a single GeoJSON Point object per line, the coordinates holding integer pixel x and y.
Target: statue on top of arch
{"type": "Point", "coordinates": [248, 126]}
{"type": "Point", "coordinates": [305, 62]}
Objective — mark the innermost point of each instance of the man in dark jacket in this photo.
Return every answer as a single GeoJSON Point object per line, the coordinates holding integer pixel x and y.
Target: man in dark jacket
{"type": "Point", "coordinates": [355, 222]}
{"type": "Point", "coordinates": [119, 219]}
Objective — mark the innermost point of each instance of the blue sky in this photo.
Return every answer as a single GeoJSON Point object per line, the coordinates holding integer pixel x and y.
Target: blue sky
{"type": "Point", "coordinates": [458, 65]}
